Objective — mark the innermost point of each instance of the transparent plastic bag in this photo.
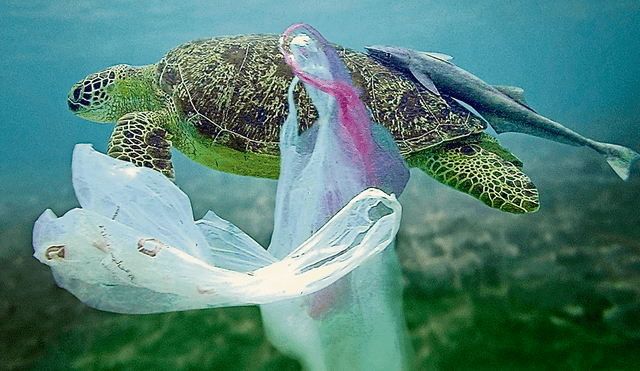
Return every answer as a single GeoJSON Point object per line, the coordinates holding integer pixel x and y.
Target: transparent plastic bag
{"type": "Point", "coordinates": [357, 323]}
{"type": "Point", "coordinates": [134, 247]}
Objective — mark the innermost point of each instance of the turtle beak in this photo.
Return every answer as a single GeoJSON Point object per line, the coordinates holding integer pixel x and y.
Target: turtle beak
{"type": "Point", "coordinates": [75, 98]}
{"type": "Point", "coordinates": [73, 106]}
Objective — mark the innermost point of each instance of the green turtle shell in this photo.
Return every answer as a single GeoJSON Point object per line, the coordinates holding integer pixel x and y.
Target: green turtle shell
{"type": "Point", "coordinates": [231, 90]}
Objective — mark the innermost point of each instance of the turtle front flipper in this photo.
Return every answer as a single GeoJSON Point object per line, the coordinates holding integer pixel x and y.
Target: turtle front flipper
{"type": "Point", "coordinates": [482, 168]}
{"type": "Point", "coordinates": [138, 140]}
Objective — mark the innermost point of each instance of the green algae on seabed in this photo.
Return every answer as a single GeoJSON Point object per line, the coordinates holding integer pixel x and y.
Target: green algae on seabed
{"type": "Point", "coordinates": [46, 328]}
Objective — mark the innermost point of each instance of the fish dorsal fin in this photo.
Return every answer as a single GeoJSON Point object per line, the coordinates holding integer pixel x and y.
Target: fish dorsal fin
{"type": "Point", "coordinates": [514, 93]}
{"type": "Point", "coordinates": [440, 56]}
{"type": "Point", "coordinates": [423, 79]}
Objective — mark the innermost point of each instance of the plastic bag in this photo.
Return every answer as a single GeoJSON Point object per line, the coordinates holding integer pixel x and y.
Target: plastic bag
{"type": "Point", "coordinates": [342, 154]}
{"type": "Point", "coordinates": [134, 247]}
{"type": "Point", "coordinates": [356, 323]}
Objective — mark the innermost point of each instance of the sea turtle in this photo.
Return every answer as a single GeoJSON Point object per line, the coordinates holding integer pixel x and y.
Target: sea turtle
{"type": "Point", "coordinates": [221, 102]}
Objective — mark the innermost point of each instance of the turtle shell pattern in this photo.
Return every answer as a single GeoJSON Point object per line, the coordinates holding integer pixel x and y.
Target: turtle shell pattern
{"type": "Point", "coordinates": [231, 91]}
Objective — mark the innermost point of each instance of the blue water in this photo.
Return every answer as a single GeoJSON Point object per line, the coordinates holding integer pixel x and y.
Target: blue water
{"type": "Point", "coordinates": [578, 62]}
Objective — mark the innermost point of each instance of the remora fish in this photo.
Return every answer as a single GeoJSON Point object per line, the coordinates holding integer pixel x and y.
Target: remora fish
{"type": "Point", "coordinates": [503, 107]}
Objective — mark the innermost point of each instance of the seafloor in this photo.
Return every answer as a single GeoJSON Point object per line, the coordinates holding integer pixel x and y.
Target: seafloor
{"type": "Point", "coordinates": [556, 290]}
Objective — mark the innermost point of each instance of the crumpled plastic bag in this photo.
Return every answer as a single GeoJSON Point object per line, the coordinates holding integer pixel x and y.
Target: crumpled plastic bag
{"type": "Point", "coordinates": [134, 247]}
{"type": "Point", "coordinates": [356, 323]}
{"type": "Point", "coordinates": [342, 154]}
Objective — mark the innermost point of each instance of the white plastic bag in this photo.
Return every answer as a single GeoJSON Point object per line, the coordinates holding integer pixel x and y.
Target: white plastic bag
{"type": "Point", "coordinates": [134, 247]}
{"type": "Point", "coordinates": [357, 323]}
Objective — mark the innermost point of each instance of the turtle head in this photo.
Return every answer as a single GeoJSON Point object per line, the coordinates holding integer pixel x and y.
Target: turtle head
{"type": "Point", "coordinates": [107, 95]}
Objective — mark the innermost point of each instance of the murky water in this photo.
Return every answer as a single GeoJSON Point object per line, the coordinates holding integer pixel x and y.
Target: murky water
{"type": "Point", "coordinates": [555, 290]}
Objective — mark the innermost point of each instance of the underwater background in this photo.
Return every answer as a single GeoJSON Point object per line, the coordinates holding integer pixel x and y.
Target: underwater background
{"type": "Point", "coordinates": [555, 290]}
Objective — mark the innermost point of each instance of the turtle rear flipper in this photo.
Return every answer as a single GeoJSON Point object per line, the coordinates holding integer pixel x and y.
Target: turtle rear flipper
{"type": "Point", "coordinates": [479, 167]}
{"type": "Point", "coordinates": [138, 140]}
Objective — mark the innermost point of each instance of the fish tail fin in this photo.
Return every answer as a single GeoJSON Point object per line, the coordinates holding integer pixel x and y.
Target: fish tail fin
{"type": "Point", "coordinates": [620, 159]}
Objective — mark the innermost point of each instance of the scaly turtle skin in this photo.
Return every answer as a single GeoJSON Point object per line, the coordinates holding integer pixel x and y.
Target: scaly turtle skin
{"type": "Point", "coordinates": [221, 101]}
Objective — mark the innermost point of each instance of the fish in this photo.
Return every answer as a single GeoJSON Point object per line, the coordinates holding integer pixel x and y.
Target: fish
{"type": "Point", "coordinates": [503, 107]}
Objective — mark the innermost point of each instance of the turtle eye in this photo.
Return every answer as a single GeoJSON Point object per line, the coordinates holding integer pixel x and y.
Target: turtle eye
{"type": "Point", "coordinates": [468, 150]}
